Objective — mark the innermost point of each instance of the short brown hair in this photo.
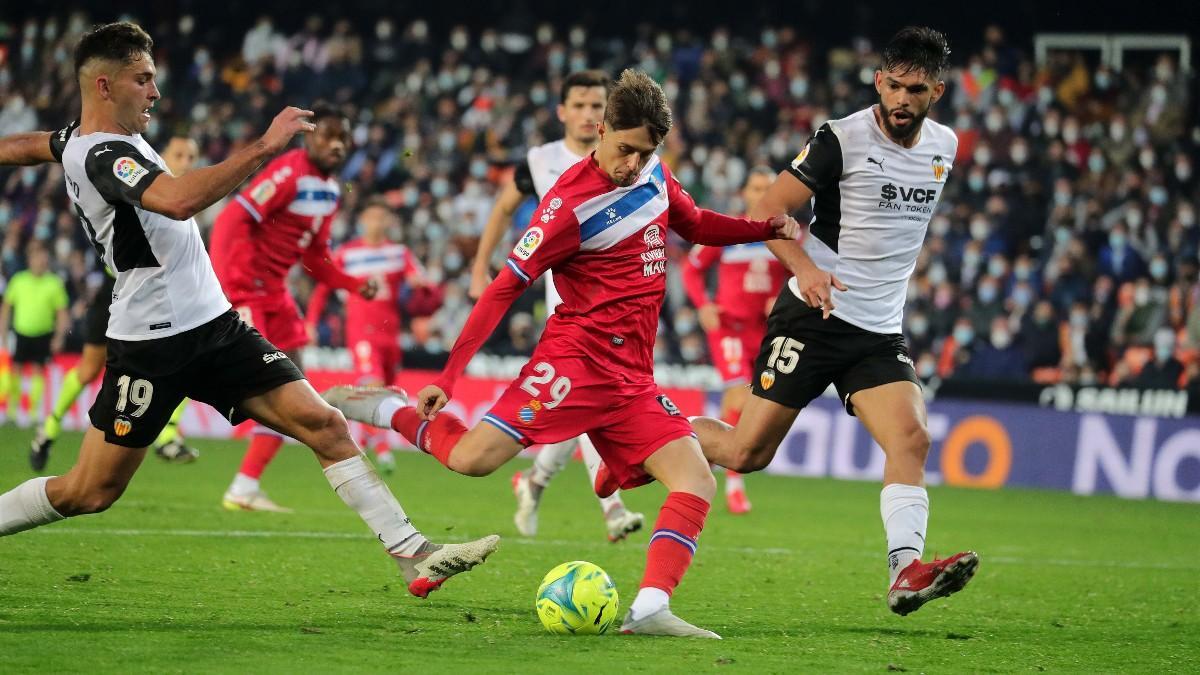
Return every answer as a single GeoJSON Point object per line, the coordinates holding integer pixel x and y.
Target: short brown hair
{"type": "Point", "coordinates": [120, 41]}
{"type": "Point", "coordinates": [638, 101]}
{"type": "Point", "coordinates": [586, 79]}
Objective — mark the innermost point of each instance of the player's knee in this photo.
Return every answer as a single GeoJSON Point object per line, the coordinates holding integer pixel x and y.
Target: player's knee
{"type": "Point", "coordinates": [752, 457]}
{"type": "Point", "coordinates": [917, 442]}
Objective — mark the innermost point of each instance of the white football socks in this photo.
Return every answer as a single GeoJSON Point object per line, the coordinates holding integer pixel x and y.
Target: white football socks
{"type": "Point", "coordinates": [26, 507]}
{"type": "Point", "coordinates": [243, 485]}
{"type": "Point", "coordinates": [648, 601]}
{"type": "Point", "coordinates": [549, 461]}
{"type": "Point", "coordinates": [905, 512]}
{"type": "Point", "coordinates": [386, 410]}
{"type": "Point", "coordinates": [361, 488]}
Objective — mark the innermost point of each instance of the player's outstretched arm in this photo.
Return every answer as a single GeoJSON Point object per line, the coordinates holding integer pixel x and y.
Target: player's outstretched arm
{"type": "Point", "coordinates": [184, 196]}
{"type": "Point", "coordinates": [26, 149]}
{"type": "Point", "coordinates": [701, 226]}
{"type": "Point", "coordinates": [787, 194]}
{"type": "Point", "coordinates": [497, 224]}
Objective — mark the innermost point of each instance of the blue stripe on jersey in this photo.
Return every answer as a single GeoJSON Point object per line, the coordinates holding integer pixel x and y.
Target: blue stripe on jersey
{"type": "Point", "coordinates": [517, 271]}
{"type": "Point", "coordinates": [317, 195]}
{"type": "Point", "coordinates": [249, 208]}
{"type": "Point", "coordinates": [615, 212]}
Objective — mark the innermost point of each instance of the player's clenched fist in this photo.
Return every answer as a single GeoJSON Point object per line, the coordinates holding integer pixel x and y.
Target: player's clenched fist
{"type": "Point", "coordinates": [785, 227]}
{"type": "Point", "coordinates": [430, 400]}
{"type": "Point", "coordinates": [289, 122]}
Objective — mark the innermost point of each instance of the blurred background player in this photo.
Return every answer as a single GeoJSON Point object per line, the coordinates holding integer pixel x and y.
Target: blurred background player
{"type": "Point", "coordinates": [581, 110]}
{"type": "Point", "coordinates": [180, 156]}
{"type": "Point", "coordinates": [602, 227]}
{"type": "Point", "coordinates": [749, 277]}
{"type": "Point", "coordinates": [281, 218]}
{"type": "Point", "coordinates": [35, 307]}
{"type": "Point", "coordinates": [374, 325]}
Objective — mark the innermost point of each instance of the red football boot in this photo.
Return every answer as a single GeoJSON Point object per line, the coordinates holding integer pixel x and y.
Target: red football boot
{"type": "Point", "coordinates": [921, 582]}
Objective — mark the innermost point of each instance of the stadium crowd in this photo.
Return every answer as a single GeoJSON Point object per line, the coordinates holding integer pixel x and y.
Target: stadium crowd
{"type": "Point", "coordinates": [1065, 248]}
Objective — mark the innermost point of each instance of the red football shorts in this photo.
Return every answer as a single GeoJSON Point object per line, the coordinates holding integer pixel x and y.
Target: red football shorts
{"type": "Point", "coordinates": [275, 317]}
{"type": "Point", "coordinates": [375, 362]}
{"type": "Point", "coordinates": [733, 349]}
{"type": "Point", "coordinates": [558, 398]}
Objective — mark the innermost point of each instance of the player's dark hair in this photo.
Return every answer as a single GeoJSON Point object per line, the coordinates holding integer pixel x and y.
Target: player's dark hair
{"type": "Point", "coordinates": [120, 41]}
{"type": "Point", "coordinates": [323, 111]}
{"type": "Point", "coordinates": [586, 79]}
{"type": "Point", "coordinates": [917, 48]}
{"type": "Point", "coordinates": [638, 101]}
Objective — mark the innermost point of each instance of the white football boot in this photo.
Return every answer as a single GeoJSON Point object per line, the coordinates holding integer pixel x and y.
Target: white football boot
{"type": "Point", "coordinates": [433, 564]}
{"type": "Point", "coordinates": [255, 501]}
{"type": "Point", "coordinates": [526, 517]}
{"type": "Point", "coordinates": [663, 622]}
{"type": "Point", "coordinates": [361, 404]}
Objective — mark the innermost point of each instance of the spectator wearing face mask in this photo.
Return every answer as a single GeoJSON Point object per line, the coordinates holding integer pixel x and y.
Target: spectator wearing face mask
{"type": "Point", "coordinates": [1118, 259]}
{"type": "Point", "coordinates": [1040, 337]}
{"type": "Point", "coordinates": [1139, 315]}
{"type": "Point", "coordinates": [988, 304]}
{"type": "Point", "coordinates": [1164, 371]}
{"type": "Point", "coordinates": [997, 358]}
{"type": "Point", "coordinates": [957, 348]}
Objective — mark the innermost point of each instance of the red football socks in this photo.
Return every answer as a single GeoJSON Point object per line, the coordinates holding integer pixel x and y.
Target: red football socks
{"type": "Point", "coordinates": [673, 542]}
{"type": "Point", "coordinates": [260, 453]}
{"type": "Point", "coordinates": [437, 437]}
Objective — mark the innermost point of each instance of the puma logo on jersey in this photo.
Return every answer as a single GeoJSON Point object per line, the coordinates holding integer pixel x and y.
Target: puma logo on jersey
{"type": "Point", "coordinates": [273, 357]}
{"type": "Point", "coordinates": [872, 160]}
{"type": "Point", "coordinates": [101, 152]}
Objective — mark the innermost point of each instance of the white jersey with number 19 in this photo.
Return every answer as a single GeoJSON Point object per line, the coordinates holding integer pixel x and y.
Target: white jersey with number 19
{"type": "Point", "coordinates": [165, 282]}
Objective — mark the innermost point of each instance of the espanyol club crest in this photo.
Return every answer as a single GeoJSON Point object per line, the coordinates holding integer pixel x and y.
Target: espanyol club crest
{"type": "Point", "coordinates": [529, 412]}
{"type": "Point", "coordinates": [767, 379]}
{"type": "Point", "coordinates": [653, 236]}
{"type": "Point", "coordinates": [939, 169]}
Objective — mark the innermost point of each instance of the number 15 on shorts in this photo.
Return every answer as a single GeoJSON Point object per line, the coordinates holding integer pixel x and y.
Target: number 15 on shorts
{"type": "Point", "coordinates": [785, 354]}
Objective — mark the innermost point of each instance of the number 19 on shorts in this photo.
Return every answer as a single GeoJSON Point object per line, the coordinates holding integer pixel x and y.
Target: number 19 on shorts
{"type": "Point", "coordinates": [138, 392]}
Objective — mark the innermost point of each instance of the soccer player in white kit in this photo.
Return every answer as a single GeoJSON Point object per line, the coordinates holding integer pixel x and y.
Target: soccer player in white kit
{"type": "Point", "coordinates": [581, 110]}
{"type": "Point", "coordinates": [171, 331]}
{"type": "Point", "coordinates": [874, 179]}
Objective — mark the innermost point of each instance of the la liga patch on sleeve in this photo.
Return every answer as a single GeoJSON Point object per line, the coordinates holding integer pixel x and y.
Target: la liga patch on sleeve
{"type": "Point", "coordinates": [529, 243]}
{"type": "Point", "coordinates": [128, 171]}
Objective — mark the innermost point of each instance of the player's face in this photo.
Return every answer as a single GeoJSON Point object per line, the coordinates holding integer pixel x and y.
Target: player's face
{"type": "Point", "coordinates": [39, 261]}
{"type": "Point", "coordinates": [375, 221]}
{"type": "Point", "coordinates": [905, 100]}
{"type": "Point", "coordinates": [754, 190]}
{"type": "Point", "coordinates": [133, 92]}
{"type": "Point", "coordinates": [329, 145]}
{"type": "Point", "coordinates": [180, 155]}
{"type": "Point", "coordinates": [582, 113]}
{"type": "Point", "coordinates": [622, 154]}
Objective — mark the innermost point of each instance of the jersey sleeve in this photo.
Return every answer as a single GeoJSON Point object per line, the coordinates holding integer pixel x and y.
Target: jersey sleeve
{"type": "Point", "coordinates": [699, 260]}
{"type": "Point", "coordinates": [319, 262]}
{"type": "Point", "coordinates": [12, 290]}
{"type": "Point", "coordinates": [271, 190]}
{"type": "Point", "coordinates": [701, 226]}
{"type": "Point", "coordinates": [120, 172]}
{"type": "Point", "coordinates": [523, 179]}
{"type": "Point", "coordinates": [58, 140]}
{"type": "Point", "coordinates": [819, 164]}
{"type": "Point", "coordinates": [552, 237]}
{"type": "Point", "coordinates": [61, 301]}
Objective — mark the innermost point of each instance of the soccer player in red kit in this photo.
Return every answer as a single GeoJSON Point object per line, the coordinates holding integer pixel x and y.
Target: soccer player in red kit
{"type": "Point", "coordinates": [374, 325]}
{"type": "Point", "coordinates": [749, 277]}
{"type": "Point", "coordinates": [282, 218]}
{"type": "Point", "coordinates": [602, 229]}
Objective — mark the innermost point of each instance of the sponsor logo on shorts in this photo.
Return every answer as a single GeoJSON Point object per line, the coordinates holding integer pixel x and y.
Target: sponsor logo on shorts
{"type": "Point", "coordinates": [904, 359]}
{"type": "Point", "coordinates": [122, 426]}
{"type": "Point", "coordinates": [273, 357]}
{"type": "Point", "coordinates": [529, 412]}
{"type": "Point", "coordinates": [767, 379]}
{"type": "Point", "coordinates": [668, 405]}
{"type": "Point", "coordinates": [129, 171]}
{"type": "Point", "coordinates": [618, 341]}
{"type": "Point", "coordinates": [529, 243]}
{"type": "Point", "coordinates": [160, 326]}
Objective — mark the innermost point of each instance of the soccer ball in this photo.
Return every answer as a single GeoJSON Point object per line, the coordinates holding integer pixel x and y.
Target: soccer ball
{"type": "Point", "coordinates": [577, 598]}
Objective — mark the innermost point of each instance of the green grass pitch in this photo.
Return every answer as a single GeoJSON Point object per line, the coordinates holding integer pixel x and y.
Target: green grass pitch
{"type": "Point", "coordinates": [167, 581]}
